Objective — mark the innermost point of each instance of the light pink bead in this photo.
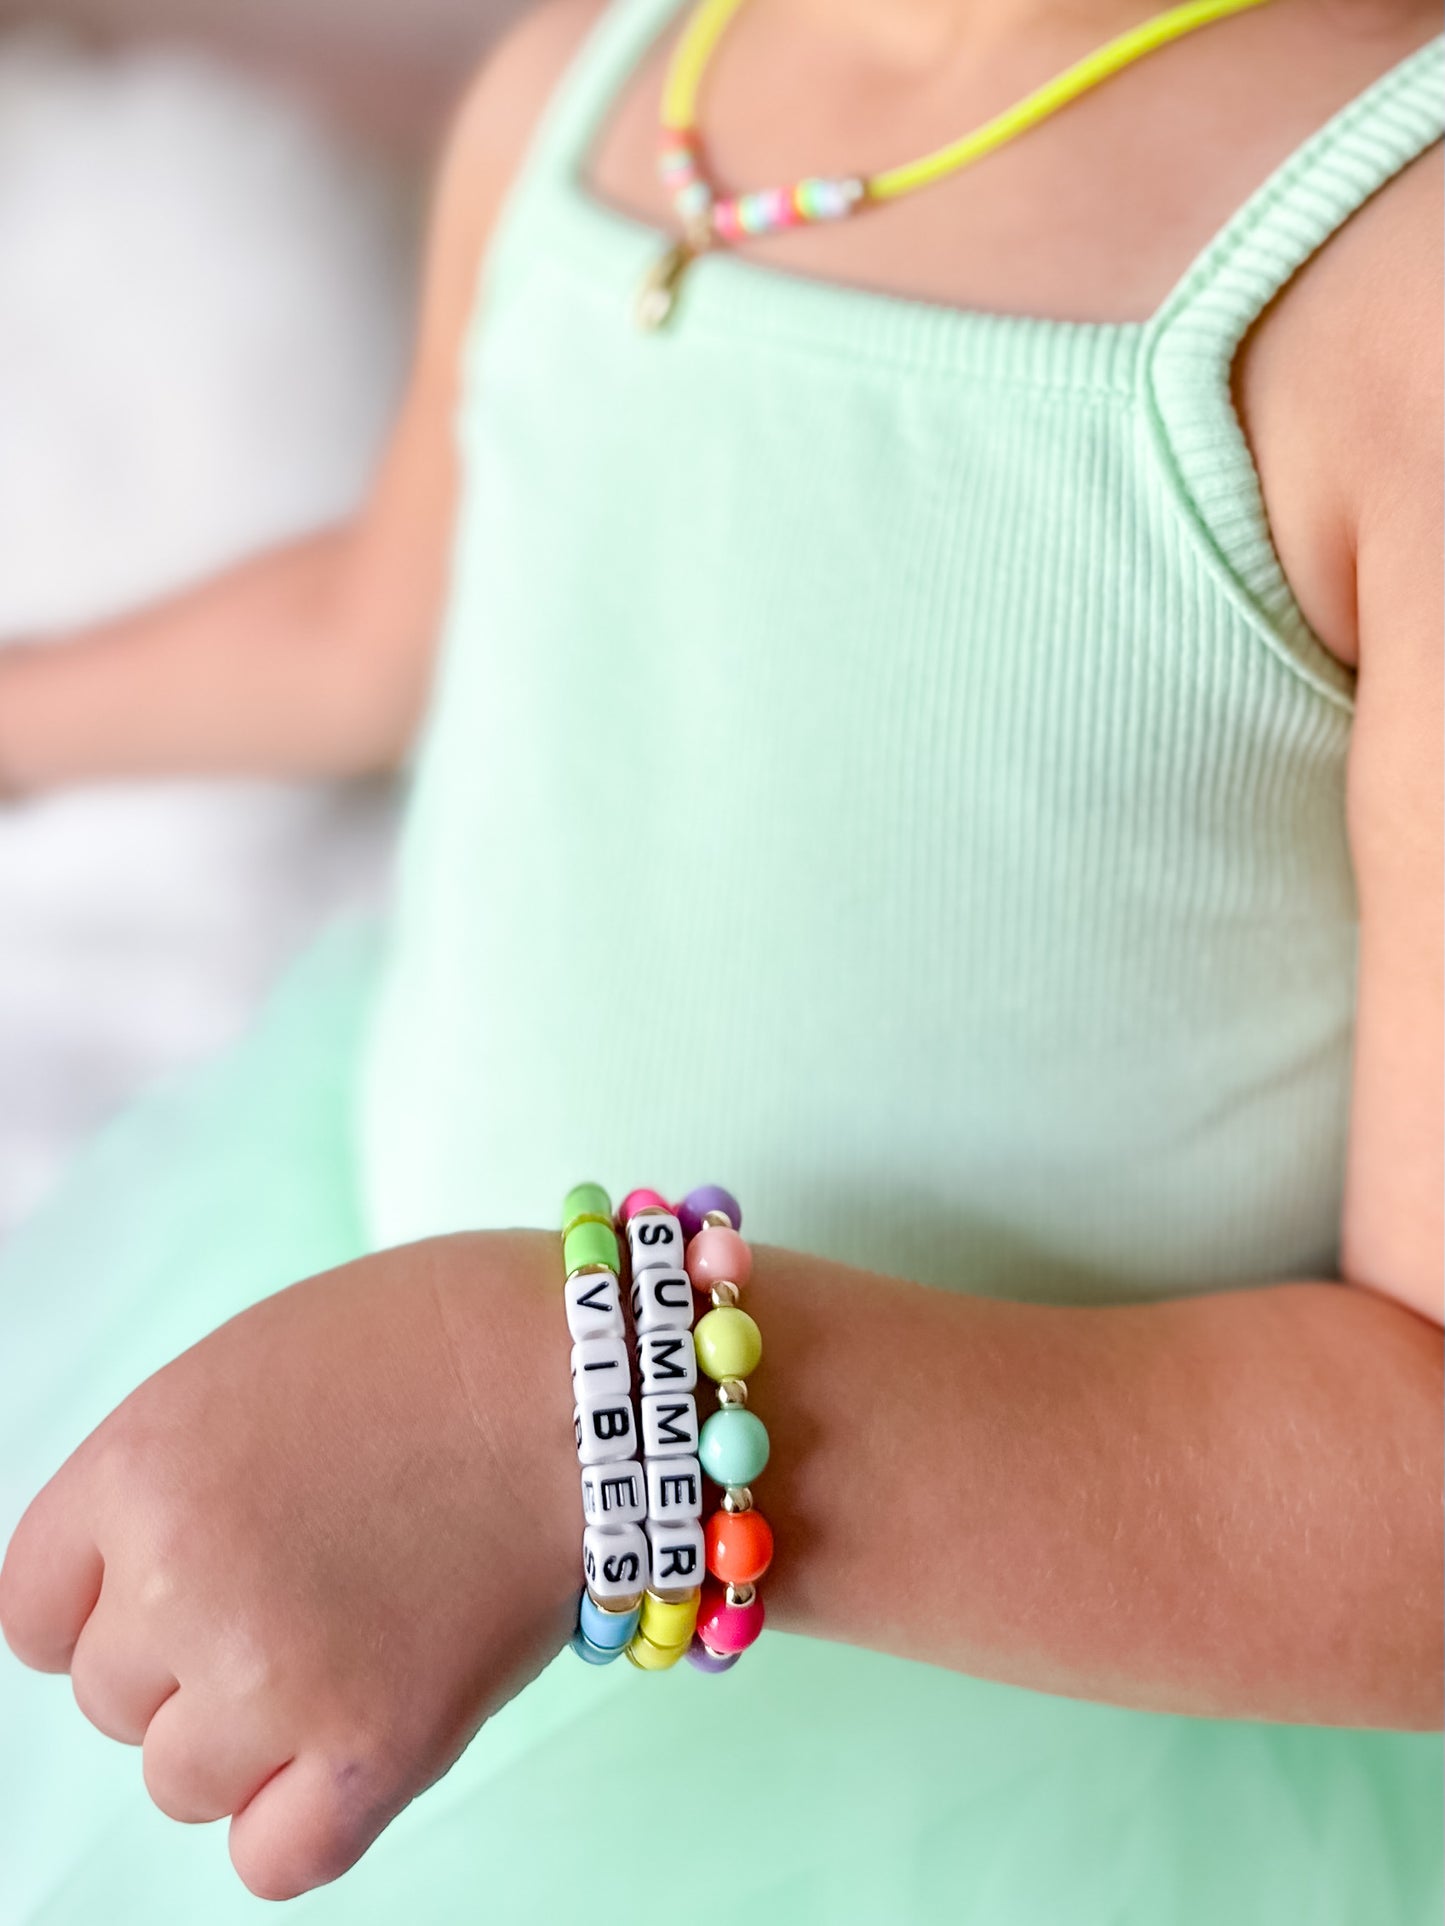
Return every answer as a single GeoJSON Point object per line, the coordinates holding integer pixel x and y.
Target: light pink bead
{"type": "Point", "coordinates": [781, 212]}
{"type": "Point", "coordinates": [637, 1200]}
{"type": "Point", "coordinates": [726, 224]}
{"type": "Point", "coordinates": [717, 1253]}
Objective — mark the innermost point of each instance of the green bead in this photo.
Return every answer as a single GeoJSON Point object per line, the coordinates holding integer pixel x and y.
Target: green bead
{"type": "Point", "coordinates": [590, 1244]}
{"type": "Point", "coordinates": [729, 1344]}
{"type": "Point", "coordinates": [733, 1446]}
{"type": "Point", "coordinates": [585, 1200]}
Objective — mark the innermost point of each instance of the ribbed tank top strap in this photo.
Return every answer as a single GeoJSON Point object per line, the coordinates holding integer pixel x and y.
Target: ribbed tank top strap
{"type": "Point", "coordinates": [1195, 335]}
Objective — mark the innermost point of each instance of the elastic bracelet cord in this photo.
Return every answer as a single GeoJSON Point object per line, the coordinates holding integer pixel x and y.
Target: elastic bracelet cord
{"type": "Point", "coordinates": [604, 1424]}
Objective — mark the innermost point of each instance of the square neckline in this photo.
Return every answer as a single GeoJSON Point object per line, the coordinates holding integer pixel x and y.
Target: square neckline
{"type": "Point", "coordinates": [734, 291]}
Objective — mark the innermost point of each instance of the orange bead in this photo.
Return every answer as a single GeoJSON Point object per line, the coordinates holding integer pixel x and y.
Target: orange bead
{"type": "Point", "coordinates": [739, 1546]}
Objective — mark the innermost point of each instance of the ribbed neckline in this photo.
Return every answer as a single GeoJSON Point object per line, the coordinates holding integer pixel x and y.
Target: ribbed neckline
{"type": "Point", "coordinates": [742, 296]}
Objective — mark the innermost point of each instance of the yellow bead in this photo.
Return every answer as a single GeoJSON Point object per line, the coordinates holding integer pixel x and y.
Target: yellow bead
{"type": "Point", "coordinates": [668, 1622]}
{"type": "Point", "coordinates": [729, 1344]}
{"type": "Point", "coordinates": [648, 1657]}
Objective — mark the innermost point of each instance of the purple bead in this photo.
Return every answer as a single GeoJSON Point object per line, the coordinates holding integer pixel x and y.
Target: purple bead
{"type": "Point", "coordinates": [702, 1658]}
{"type": "Point", "coordinates": [697, 1203]}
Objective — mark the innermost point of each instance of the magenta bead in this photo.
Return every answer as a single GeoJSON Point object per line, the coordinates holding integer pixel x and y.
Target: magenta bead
{"type": "Point", "coordinates": [706, 1661]}
{"type": "Point", "coordinates": [727, 1628]}
{"type": "Point", "coordinates": [716, 1254]}
{"type": "Point", "coordinates": [637, 1200]}
{"type": "Point", "coordinates": [708, 1197]}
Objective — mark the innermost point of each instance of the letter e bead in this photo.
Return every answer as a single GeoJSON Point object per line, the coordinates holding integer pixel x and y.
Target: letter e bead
{"type": "Point", "coordinates": [614, 1494]}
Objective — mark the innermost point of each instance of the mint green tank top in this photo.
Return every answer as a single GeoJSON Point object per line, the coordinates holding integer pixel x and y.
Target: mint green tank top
{"type": "Point", "coordinates": [878, 764]}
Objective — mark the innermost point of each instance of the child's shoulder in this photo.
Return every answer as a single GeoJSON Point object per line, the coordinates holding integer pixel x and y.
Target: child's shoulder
{"type": "Point", "coordinates": [1339, 387]}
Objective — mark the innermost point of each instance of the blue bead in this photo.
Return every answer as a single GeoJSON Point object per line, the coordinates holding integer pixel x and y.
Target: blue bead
{"type": "Point", "coordinates": [608, 1631]}
{"type": "Point", "coordinates": [591, 1654]}
{"type": "Point", "coordinates": [733, 1446]}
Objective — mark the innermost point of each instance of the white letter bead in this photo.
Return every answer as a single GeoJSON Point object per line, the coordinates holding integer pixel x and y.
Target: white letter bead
{"type": "Point", "coordinates": [601, 1368]}
{"type": "Point", "coordinates": [607, 1431]}
{"type": "Point", "coordinates": [669, 1425]}
{"type": "Point", "coordinates": [594, 1306]}
{"type": "Point", "coordinates": [662, 1301]}
{"type": "Point", "coordinates": [677, 1557]}
{"type": "Point", "coordinates": [655, 1240]}
{"type": "Point", "coordinates": [614, 1561]}
{"type": "Point", "coordinates": [614, 1494]}
{"type": "Point", "coordinates": [667, 1360]}
{"type": "Point", "coordinates": [674, 1490]}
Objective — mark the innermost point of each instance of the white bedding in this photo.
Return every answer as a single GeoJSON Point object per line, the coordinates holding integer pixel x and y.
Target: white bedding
{"type": "Point", "coordinates": [204, 306]}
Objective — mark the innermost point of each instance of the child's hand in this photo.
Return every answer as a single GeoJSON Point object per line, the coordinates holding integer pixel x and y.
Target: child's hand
{"type": "Point", "coordinates": [305, 1561]}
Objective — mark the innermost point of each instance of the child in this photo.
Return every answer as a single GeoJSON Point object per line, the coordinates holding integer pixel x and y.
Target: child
{"type": "Point", "coordinates": [882, 755]}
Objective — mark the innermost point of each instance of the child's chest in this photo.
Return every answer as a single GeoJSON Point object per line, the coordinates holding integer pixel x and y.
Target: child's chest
{"type": "Point", "coordinates": [1095, 215]}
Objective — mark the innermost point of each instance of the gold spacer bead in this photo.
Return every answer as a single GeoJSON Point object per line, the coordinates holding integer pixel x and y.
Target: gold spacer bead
{"type": "Point", "coordinates": [741, 1594]}
{"type": "Point", "coordinates": [717, 1220]}
{"type": "Point", "coordinates": [591, 1270]}
{"type": "Point", "coordinates": [586, 1217]}
{"type": "Point", "coordinates": [732, 1391]}
{"type": "Point", "coordinates": [615, 1607]}
{"type": "Point", "coordinates": [724, 1294]}
{"type": "Point", "coordinates": [737, 1498]}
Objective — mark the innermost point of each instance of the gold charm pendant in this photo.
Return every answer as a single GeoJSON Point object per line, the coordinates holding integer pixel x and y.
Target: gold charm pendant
{"type": "Point", "coordinates": [657, 297]}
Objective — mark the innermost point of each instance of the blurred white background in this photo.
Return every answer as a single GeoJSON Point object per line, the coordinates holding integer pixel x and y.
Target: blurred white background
{"type": "Point", "coordinates": [207, 253]}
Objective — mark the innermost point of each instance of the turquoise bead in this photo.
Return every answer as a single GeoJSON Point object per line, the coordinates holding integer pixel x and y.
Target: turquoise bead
{"type": "Point", "coordinates": [608, 1631]}
{"type": "Point", "coordinates": [733, 1446]}
{"type": "Point", "coordinates": [591, 1654]}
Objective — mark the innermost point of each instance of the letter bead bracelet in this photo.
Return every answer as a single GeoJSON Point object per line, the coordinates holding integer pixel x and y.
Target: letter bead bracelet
{"type": "Point", "coordinates": [645, 1548]}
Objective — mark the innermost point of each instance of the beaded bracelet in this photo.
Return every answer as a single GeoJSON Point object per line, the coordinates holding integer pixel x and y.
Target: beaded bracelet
{"type": "Point", "coordinates": [733, 1444]}
{"type": "Point", "coordinates": [604, 1425]}
{"type": "Point", "coordinates": [662, 1313]}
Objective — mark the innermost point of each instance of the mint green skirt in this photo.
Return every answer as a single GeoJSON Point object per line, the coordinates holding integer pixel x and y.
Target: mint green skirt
{"type": "Point", "coordinates": [842, 1787]}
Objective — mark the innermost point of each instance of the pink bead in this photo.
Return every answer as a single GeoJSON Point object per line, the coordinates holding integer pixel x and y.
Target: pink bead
{"type": "Point", "coordinates": [726, 224]}
{"type": "Point", "coordinates": [781, 212]}
{"type": "Point", "coordinates": [717, 1253]}
{"type": "Point", "coordinates": [727, 1628]}
{"type": "Point", "coordinates": [637, 1200]}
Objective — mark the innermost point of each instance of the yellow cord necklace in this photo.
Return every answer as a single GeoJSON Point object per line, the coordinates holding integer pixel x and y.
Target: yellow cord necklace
{"type": "Point", "coordinates": [711, 220]}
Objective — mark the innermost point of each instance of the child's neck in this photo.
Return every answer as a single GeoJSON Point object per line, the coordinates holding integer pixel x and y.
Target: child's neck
{"type": "Point", "coordinates": [922, 33]}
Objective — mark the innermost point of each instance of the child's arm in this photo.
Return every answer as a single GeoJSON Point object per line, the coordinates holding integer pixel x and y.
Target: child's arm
{"type": "Point", "coordinates": [314, 659]}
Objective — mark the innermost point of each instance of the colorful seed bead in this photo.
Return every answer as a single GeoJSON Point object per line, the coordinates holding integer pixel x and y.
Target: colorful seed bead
{"type": "Point", "coordinates": [702, 1202]}
{"type": "Point", "coordinates": [827, 200]}
{"type": "Point", "coordinates": [725, 223]}
{"type": "Point", "coordinates": [723, 1627]}
{"type": "Point", "coordinates": [607, 1631]}
{"type": "Point", "coordinates": [692, 200]}
{"type": "Point", "coordinates": [591, 1243]}
{"type": "Point", "coordinates": [637, 1200]}
{"type": "Point", "coordinates": [648, 1657]}
{"type": "Point", "coordinates": [715, 1254]}
{"type": "Point", "coordinates": [733, 1446]}
{"type": "Point", "coordinates": [669, 1622]}
{"type": "Point", "coordinates": [706, 1661]}
{"type": "Point", "coordinates": [729, 1344]}
{"type": "Point", "coordinates": [585, 1200]}
{"type": "Point", "coordinates": [739, 1546]}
